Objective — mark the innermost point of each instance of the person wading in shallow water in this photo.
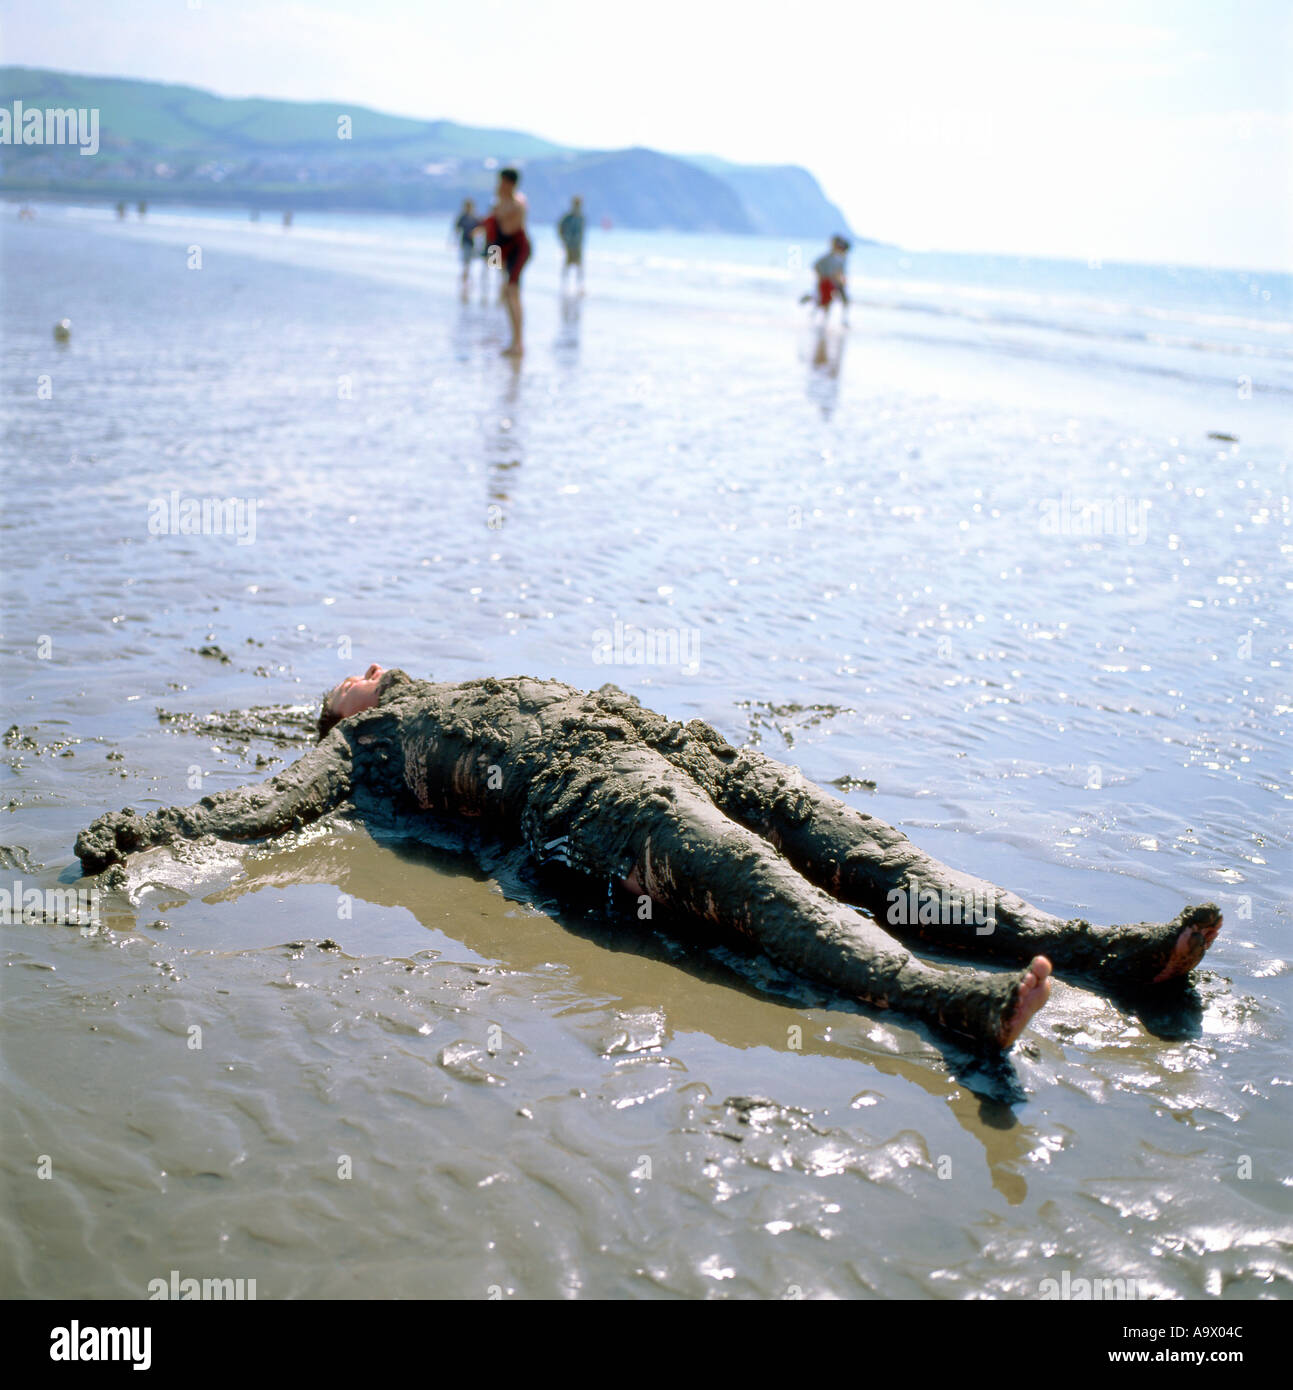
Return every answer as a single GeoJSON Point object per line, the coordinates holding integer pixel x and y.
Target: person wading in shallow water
{"type": "Point", "coordinates": [674, 813]}
{"type": "Point", "coordinates": [465, 227]}
{"type": "Point", "coordinates": [505, 228]}
{"type": "Point", "coordinates": [571, 231]}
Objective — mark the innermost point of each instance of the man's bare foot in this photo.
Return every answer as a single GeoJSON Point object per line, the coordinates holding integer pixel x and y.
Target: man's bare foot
{"type": "Point", "coordinates": [515, 350]}
{"type": "Point", "coordinates": [1034, 991]}
{"type": "Point", "coordinates": [1201, 925]}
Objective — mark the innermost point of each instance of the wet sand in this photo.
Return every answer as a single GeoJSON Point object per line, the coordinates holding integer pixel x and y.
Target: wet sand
{"type": "Point", "coordinates": [551, 1102]}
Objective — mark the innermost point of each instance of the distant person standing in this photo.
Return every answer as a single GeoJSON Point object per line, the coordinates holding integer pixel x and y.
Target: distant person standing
{"type": "Point", "coordinates": [466, 226]}
{"type": "Point", "coordinates": [571, 231]}
{"type": "Point", "coordinates": [505, 228]}
{"type": "Point", "coordinates": [831, 280]}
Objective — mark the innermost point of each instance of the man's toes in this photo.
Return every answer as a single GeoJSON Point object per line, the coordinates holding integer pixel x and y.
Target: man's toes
{"type": "Point", "coordinates": [1037, 974]}
{"type": "Point", "coordinates": [1190, 946]}
{"type": "Point", "coordinates": [1033, 992]}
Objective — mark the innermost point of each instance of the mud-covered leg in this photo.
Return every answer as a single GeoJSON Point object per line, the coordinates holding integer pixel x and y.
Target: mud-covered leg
{"type": "Point", "coordinates": [310, 788]}
{"type": "Point", "coordinates": [630, 815]}
{"type": "Point", "coordinates": [864, 861]}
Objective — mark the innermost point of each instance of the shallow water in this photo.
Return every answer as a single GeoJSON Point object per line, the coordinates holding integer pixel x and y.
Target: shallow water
{"type": "Point", "coordinates": [864, 553]}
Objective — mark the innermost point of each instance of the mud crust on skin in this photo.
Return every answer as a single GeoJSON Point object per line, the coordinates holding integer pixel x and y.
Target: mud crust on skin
{"type": "Point", "coordinates": [613, 789]}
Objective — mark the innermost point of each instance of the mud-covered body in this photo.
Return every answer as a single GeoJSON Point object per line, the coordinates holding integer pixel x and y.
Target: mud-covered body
{"type": "Point", "coordinates": [598, 783]}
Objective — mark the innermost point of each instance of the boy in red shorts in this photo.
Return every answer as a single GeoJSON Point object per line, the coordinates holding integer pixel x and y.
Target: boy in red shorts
{"type": "Point", "coordinates": [505, 228]}
{"type": "Point", "coordinates": [830, 278]}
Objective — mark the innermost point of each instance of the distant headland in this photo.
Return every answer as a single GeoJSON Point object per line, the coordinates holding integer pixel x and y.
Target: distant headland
{"type": "Point", "coordinates": [166, 143]}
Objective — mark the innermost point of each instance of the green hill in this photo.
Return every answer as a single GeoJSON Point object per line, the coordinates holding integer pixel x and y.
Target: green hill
{"type": "Point", "coordinates": [168, 120]}
{"type": "Point", "coordinates": [180, 144]}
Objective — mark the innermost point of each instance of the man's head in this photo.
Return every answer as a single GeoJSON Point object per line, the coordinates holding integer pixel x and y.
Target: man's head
{"type": "Point", "coordinates": [507, 181]}
{"type": "Point", "coordinates": [576, 203]}
{"type": "Point", "coordinates": [840, 245]}
{"type": "Point", "coordinates": [468, 205]}
{"type": "Point", "coordinates": [354, 694]}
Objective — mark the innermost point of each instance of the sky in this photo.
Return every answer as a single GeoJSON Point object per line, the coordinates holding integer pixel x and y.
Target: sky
{"type": "Point", "coordinates": [1147, 130]}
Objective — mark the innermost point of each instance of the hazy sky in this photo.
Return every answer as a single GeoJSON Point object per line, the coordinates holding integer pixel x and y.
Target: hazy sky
{"type": "Point", "coordinates": [1154, 130]}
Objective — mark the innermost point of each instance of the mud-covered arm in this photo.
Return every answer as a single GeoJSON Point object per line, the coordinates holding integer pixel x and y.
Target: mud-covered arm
{"type": "Point", "coordinates": [310, 788]}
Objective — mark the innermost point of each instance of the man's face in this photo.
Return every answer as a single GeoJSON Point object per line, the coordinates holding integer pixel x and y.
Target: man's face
{"type": "Point", "coordinates": [506, 188]}
{"type": "Point", "coordinates": [356, 693]}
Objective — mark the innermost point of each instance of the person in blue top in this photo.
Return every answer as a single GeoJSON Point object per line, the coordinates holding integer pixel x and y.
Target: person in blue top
{"type": "Point", "coordinates": [571, 231]}
{"type": "Point", "coordinates": [465, 226]}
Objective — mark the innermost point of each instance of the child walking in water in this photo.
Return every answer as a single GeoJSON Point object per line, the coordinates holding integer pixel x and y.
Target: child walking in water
{"type": "Point", "coordinates": [571, 231]}
{"type": "Point", "coordinates": [465, 227]}
{"type": "Point", "coordinates": [831, 279]}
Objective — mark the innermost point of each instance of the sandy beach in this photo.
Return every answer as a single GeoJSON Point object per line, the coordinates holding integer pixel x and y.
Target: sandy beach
{"type": "Point", "coordinates": [1006, 565]}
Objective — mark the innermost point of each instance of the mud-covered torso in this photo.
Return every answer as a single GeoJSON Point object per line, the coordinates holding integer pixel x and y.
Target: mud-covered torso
{"type": "Point", "coordinates": [463, 748]}
{"type": "Point", "coordinates": [481, 748]}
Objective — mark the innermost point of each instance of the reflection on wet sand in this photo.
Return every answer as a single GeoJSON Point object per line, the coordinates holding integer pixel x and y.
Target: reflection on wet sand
{"type": "Point", "coordinates": [826, 359]}
{"type": "Point", "coordinates": [487, 903]}
{"type": "Point", "coordinates": [566, 343]}
{"type": "Point", "coordinates": [490, 904]}
{"type": "Point", "coordinates": [504, 444]}
{"type": "Point", "coordinates": [464, 331]}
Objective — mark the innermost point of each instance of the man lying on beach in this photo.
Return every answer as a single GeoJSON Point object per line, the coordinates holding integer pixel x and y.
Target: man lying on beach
{"type": "Point", "coordinates": [505, 228]}
{"type": "Point", "coordinates": [675, 814]}
{"type": "Point", "coordinates": [830, 278]}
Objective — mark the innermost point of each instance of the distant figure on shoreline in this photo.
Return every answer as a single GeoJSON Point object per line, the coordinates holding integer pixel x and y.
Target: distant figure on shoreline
{"type": "Point", "coordinates": [287, 219]}
{"type": "Point", "coordinates": [571, 231]}
{"type": "Point", "coordinates": [505, 228]}
{"type": "Point", "coordinates": [141, 207]}
{"type": "Point", "coordinates": [121, 211]}
{"type": "Point", "coordinates": [465, 226]}
{"type": "Point", "coordinates": [831, 279]}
